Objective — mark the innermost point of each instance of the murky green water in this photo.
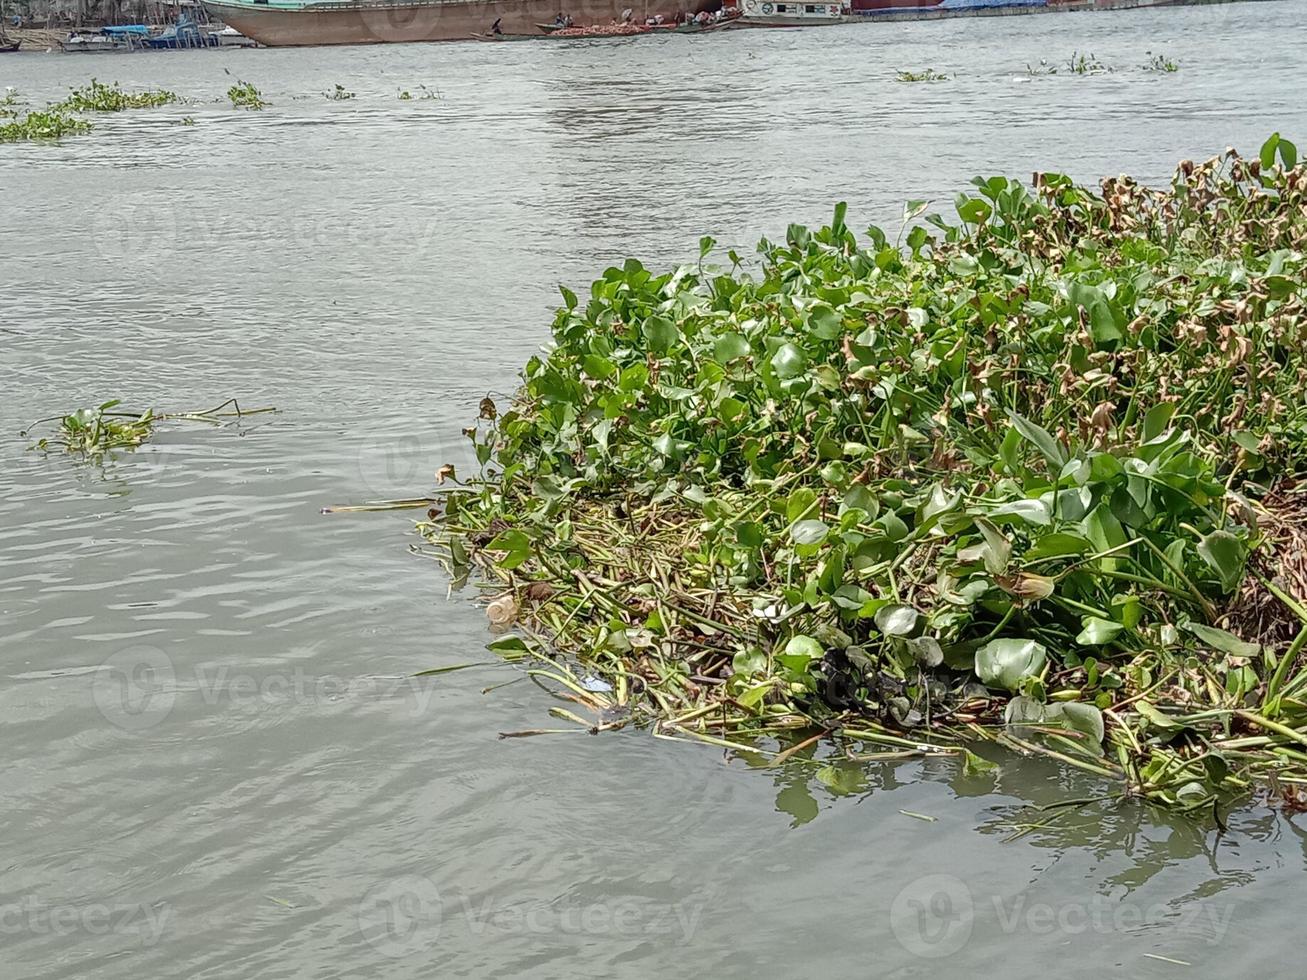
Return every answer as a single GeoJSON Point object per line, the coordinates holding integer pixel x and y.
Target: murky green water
{"type": "Point", "coordinates": [215, 761]}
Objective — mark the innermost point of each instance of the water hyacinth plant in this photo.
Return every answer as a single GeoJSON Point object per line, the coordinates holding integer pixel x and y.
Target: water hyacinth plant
{"type": "Point", "coordinates": [41, 124]}
{"type": "Point", "coordinates": [95, 431]}
{"type": "Point", "coordinates": [929, 75]}
{"type": "Point", "coordinates": [99, 97]}
{"type": "Point", "coordinates": [1161, 63]}
{"type": "Point", "coordinates": [1026, 477]}
{"type": "Point", "coordinates": [1086, 64]}
{"type": "Point", "coordinates": [57, 120]}
{"type": "Point", "coordinates": [243, 95]}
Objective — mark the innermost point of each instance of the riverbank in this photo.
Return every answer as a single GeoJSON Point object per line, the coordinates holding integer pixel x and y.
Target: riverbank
{"type": "Point", "coordinates": [1025, 479]}
{"type": "Point", "coordinates": [37, 38]}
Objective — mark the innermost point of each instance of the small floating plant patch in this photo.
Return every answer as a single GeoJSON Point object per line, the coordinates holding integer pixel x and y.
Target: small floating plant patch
{"type": "Point", "coordinates": [92, 432]}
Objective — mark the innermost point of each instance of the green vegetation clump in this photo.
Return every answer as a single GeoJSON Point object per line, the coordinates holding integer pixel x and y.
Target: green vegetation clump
{"type": "Point", "coordinates": [1161, 63]}
{"type": "Point", "coordinates": [244, 95]}
{"type": "Point", "coordinates": [57, 120]}
{"type": "Point", "coordinates": [98, 97]}
{"type": "Point", "coordinates": [1086, 64]}
{"type": "Point", "coordinates": [929, 75]}
{"type": "Point", "coordinates": [9, 104]}
{"type": "Point", "coordinates": [1026, 479]}
{"type": "Point", "coordinates": [95, 431]}
{"type": "Point", "coordinates": [42, 124]}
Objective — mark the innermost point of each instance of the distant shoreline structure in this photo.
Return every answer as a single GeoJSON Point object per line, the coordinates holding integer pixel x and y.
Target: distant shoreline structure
{"type": "Point", "coordinates": [900, 10]}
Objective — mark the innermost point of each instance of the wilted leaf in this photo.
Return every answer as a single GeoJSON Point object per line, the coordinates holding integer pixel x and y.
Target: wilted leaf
{"type": "Point", "coordinates": [1027, 586]}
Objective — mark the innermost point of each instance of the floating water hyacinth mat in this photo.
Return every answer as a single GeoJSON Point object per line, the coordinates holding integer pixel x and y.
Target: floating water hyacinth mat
{"type": "Point", "coordinates": [1028, 477]}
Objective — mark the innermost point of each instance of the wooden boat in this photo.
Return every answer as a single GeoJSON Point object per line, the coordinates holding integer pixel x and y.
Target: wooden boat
{"type": "Point", "coordinates": [107, 40]}
{"type": "Point", "coordinates": [229, 37]}
{"type": "Point", "coordinates": [277, 23]}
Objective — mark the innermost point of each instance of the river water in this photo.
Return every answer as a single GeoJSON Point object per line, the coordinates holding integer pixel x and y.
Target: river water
{"type": "Point", "coordinates": [214, 760]}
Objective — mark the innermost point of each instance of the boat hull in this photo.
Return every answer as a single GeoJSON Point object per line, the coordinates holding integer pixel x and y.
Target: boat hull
{"type": "Point", "coordinates": [931, 9]}
{"type": "Point", "coordinates": [441, 20]}
{"type": "Point", "coordinates": [284, 23]}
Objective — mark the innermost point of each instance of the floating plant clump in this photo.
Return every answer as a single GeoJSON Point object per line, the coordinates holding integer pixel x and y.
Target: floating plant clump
{"type": "Point", "coordinates": [94, 432]}
{"type": "Point", "coordinates": [56, 120]}
{"type": "Point", "coordinates": [929, 75]}
{"type": "Point", "coordinates": [243, 95]}
{"type": "Point", "coordinates": [99, 97]}
{"type": "Point", "coordinates": [1024, 479]}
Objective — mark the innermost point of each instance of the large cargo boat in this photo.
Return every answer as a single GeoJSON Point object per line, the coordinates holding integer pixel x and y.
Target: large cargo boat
{"type": "Point", "coordinates": [302, 22]}
{"type": "Point", "coordinates": [295, 22]}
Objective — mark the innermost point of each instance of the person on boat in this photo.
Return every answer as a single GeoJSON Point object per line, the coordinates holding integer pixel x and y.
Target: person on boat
{"type": "Point", "coordinates": [495, 28]}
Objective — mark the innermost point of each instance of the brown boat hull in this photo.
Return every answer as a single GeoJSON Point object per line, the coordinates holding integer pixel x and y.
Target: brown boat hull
{"type": "Point", "coordinates": [443, 20]}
